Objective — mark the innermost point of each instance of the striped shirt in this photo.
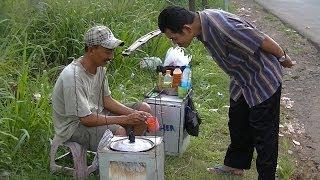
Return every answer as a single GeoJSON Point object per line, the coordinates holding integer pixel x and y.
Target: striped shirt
{"type": "Point", "coordinates": [235, 45]}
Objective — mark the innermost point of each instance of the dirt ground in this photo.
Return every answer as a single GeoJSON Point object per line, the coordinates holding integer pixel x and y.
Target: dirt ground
{"type": "Point", "coordinates": [301, 85]}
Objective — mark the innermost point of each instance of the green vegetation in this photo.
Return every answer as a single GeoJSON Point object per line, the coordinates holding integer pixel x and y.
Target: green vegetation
{"type": "Point", "coordinates": [36, 41]}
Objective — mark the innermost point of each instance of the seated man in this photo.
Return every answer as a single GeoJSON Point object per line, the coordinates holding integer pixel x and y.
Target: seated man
{"type": "Point", "coordinates": [83, 108]}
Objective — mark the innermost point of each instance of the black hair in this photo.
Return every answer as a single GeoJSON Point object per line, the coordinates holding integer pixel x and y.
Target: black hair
{"type": "Point", "coordinates": [86, 47]}
{"type": "Point", "coordinates": [174, 18]}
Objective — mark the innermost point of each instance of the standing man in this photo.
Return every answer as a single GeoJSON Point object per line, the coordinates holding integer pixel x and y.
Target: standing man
{"type": "Point", "coordinates": [253, 61]}
{"type": "Point", "coordinates": [83, 108]}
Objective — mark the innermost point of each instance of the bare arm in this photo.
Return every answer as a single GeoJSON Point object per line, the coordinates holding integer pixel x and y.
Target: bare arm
{"type": "Point", "coordinates": [127, 116]}
{"type": "Point", "coordinates": [116, 107]}
{"type": "Point", "coordinates": [270, 46]}
{"type": "Point", "coordinates": [93, 120]}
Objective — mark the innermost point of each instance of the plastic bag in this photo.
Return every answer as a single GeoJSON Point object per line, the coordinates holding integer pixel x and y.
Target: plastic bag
{"type": "Point", "coordinates": [192, 118]}
{"type": "Point", "coordinates": [176, 57]}
{"type": "Point", "coordinates": [107, 136]}
{"type": "Point", "coordinates": [150, 63]}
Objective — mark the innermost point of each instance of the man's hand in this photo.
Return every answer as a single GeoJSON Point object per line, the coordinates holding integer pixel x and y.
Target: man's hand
{"type": "Point", "coordinates": [136, 118]}
{"type": "Point", "coordinates": [145, 114]}
{"type": "Point", "coordinates": [288, 63]}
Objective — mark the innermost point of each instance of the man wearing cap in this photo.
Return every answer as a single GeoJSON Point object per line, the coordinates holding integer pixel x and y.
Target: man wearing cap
{"type": "Point", "coordinates": [254, 63]}
{"type": "Point", "coordinates": [83, 108]}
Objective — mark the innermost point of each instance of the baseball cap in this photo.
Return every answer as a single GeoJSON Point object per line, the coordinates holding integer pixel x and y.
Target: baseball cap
{"type": "Point", "coordinates": [101, 35]}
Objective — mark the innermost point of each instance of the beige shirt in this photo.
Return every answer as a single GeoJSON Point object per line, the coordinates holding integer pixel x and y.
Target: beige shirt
{"type": "Point", "coordinates": [77, 93]}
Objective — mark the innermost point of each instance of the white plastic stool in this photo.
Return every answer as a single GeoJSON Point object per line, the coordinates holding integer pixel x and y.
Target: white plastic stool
{"type": "Point", "coordinates": [79, 154]}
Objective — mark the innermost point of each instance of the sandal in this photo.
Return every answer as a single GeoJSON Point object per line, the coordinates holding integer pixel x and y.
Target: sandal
{"type": "Point", "coordinates": [222, 170]}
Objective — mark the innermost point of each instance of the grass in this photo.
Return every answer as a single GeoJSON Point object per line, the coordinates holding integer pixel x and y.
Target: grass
{"type": "Point", "coordinates": [35, 41]}
{"type": "Point", "coordinates": [286, 164]}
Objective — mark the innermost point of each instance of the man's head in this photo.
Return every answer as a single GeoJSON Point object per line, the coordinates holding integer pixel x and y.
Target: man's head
{"type": "Point", "coordinates": [176, 22]}
{"type": "Point", "coordinates": [100, 44]}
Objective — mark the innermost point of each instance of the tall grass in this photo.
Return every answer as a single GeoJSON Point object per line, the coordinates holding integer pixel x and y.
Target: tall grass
{"type": "Point", "coordinates": [36, 40]}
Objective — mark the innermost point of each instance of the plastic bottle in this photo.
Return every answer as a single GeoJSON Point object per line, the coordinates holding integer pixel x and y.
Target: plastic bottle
{"type": "Point", "coordinates": [176, 79]}
{"type": "Point", "coordinates": [186, 78]}
{"type": "Point", "coordinates": [167, 79]}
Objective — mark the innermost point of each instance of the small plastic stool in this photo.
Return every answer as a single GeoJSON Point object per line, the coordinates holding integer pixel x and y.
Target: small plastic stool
{"type": "Point", "coordinates": [79, 155]}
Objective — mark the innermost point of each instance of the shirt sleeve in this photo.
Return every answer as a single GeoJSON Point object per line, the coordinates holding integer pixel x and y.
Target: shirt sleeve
{"type": "Point", "coordinates": [240, 32]}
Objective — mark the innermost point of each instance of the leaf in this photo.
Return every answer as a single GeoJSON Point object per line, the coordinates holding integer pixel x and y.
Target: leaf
{"type": "Point", "coordinates": [4, 20]}
{"type": "Point", "coordinates": [23, 138]}
{"type": "Point", "coordinates": [213, 110]}
{"type": "Point", "coordinates": [9, 135]}
{"type": "Point", "coordinates": [3, 144]}
{"type": "Point", "coordinates": [3, 119]}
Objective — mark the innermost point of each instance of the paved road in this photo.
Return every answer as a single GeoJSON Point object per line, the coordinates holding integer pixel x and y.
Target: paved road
{"type": "Point", "coordinates": [303, 15]}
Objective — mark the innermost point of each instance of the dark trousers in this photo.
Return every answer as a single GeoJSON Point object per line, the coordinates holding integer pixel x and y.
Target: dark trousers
{"type": "Point", "coordinates": [256, 127]}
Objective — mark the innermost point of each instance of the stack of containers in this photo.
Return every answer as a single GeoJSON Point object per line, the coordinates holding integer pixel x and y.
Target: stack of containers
{"type": "Point", "coordinates": [175, 80]}
{"type": "Point", "coordinates": [179, 81]}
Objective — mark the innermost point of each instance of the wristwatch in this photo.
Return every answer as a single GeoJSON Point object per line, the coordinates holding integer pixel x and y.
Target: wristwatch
{"type": "Point", "coordinates": [283, 58]}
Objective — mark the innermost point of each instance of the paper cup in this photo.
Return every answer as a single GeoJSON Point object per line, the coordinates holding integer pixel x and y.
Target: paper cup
{"type": "Point", "coordinates": [152, 124]}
